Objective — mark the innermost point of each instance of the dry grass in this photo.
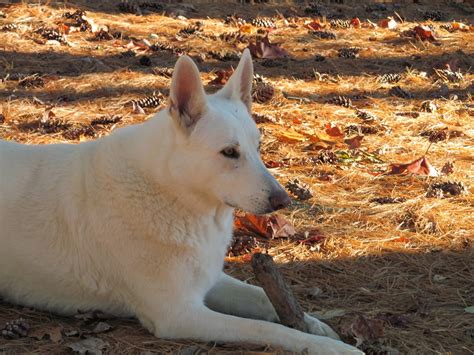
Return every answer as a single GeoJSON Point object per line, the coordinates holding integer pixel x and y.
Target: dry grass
{"type": "Point", "coordinates": [413, 259]}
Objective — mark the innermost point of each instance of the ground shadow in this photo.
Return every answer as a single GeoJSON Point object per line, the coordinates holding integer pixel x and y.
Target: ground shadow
{"type": "Point", "coordinates": [421, 293]}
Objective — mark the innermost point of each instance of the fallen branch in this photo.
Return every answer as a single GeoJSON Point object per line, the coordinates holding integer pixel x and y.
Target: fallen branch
{"type": "Point", "coordinates": [287, 307]}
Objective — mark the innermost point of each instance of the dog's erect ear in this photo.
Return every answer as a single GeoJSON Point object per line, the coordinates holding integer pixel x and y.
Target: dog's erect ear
{"type": "Point", "coordinates": [239, 86]}
{"type": "Point", "coordinates": [187, 96]}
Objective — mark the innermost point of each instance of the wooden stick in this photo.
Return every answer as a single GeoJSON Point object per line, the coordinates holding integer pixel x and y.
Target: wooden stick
{"type": "Point", "coordinates": [287, 307]}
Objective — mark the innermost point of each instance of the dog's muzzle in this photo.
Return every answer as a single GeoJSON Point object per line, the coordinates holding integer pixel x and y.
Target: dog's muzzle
{"type": "Point", "coordinates": [279, 200]}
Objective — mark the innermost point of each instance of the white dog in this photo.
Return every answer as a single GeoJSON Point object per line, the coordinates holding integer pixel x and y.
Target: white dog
{"type": "Point", "coordinates": [137, 223]}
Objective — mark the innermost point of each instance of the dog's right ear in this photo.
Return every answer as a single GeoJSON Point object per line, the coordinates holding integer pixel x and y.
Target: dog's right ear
{"type": "Point", "coordinates": [187, 96]}
{"type": "Point", "coordinates": [239, 86]}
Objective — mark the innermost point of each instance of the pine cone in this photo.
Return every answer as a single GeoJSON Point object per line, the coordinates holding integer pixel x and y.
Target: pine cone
{"type": "Point", "coordinates": [398, 91]}
{"type": "Point", "coordinates": [192, 29]}
{"type": "Point", "coordinates": [224, 55]}
{"type": "Point", "coordinates": [166, 72]}
{"type": "Point", "coordinates": [388, 200]}
{"type": "Point", "coordinates": [234, 20]}
{"type": "Point", "coordinates": [51, 35]}
{"type": "Point", "coordinates": [324, 34]}
{"type": "Point", "coordinates": [106, 120]}
{"type": "Point", "coordinates": [156, 47]}
{"type": "Point", "coordinates": [263, 22]}
{"type": "Point", "coordinates": [242, 244]}
{"type": "Point", "coordinates": [263, 92]}
{"type": "Point", "coordinates": [448, 27]}
{"type": "Point", "coordinates": [428, 106]}
{"type": "Point", "coordinates": [350, 52]}
{"type": "Point", "coordinates": [103, 35]}
{"type": "Point", "coordinates": [74, 133]}
{"type": "Point", "coordinates": [446, 189]}
{"type": "Point", "coordinates": [340, 101]}
{"type": "Point", "coordinates": [440, 134]}
{"type": "Point", "coordinates": [258, 118]}
{"type": "Point", "coordinates": [32, 81]}
{"type": "Point", "coordinates": [154, 100]}
{"type": "Point", "coordinates": [340, 23]}
{"type": "Point", "coordinates": [16, 329]}
{"type": "Point", "coordinates": [366, 116]}
{"type": "Point", "coordinates": [359, 97]}
{"type": "Point", "coordinates": [389, 78]}
{"type": "Point", "coordinates": [449, 75]}
{"type": "Point", "coordinates": [258, 79]}
{"type": "Point", "coordinates": [300, 190]}
{"type": "Point", "coordinates": [78, 20]}
{"type": "Point", "coordinates": [325, 157]}
{"type": "Point", "coordinates": [233, 37]}
{"type": "Point", "coordinates": [74, 15]}
{"type": "Point", "coordinates": [9, 27]}
{"type": "Point", "coordinates": [361, 129]}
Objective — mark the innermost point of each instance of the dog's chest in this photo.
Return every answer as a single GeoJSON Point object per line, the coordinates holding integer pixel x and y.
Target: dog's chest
{"type": "Point", "coordinates": [204, 259]}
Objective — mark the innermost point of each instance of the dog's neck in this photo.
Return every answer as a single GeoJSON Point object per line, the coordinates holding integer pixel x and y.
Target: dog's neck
{"type": "Point", "coordinates": [132, 147]}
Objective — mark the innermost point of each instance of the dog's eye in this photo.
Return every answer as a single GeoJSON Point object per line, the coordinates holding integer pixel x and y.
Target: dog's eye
{"type": "Point", "coordinates": [230, 152]}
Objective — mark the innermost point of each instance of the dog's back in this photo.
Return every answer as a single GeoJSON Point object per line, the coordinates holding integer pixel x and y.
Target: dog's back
{"type": "Point", "coordinates": [36, 246]}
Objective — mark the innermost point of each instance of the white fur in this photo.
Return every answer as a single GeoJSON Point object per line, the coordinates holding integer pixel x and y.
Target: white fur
{"type": "Point", "coordinates": [137, 223]}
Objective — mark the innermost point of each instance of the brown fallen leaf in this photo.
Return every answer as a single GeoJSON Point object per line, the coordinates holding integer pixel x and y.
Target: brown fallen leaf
{"type": "Point", "coordinates": [314, 236]}
{"type": "Point", "coordinates": [315, 25]}
{"type": "Point", "coordinates": [448, 168]}
{"type": "Point", "coordinates": [246, 28]}
{"type": "Point", "coordinates": [271, 164]}
{"type": "Point", "coordinates": [363, 329]}
{"type": "Point", "coordinates": [264, 49]}
{"type": "Point", "coordinates": [420, 166]}
{"type": "Point", "coordinates": [290, 136]}
{"type": "Point", "coordinates": [401, 240]}
{"type": "Point", "coordinates": [268, 227]}
{"type": "Point", "coordinates": [389, 23]}
{"type": "Point", "coordinates": [221, 77]}
{"type": "Point", "coordinates": [354, 142]}
{"type": "Point", "coordinates": [355, 22]}
{"type": "Point", "coordinates": [48, 115]}
{"type": "Point", "coordinates": [459, 26]}
{"type": "Point", "coordinates": [323, 140]}
{"type": "Point", "coordinates": [52, 331]}
{"type": "Point", "coordinates": [333, 131]}
{"type": "Point", "coordinates": [424, 33]}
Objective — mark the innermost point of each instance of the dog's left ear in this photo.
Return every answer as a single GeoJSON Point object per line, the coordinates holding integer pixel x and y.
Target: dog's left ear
{"type": "Point", "coordinates": [239, 86]}
{"type": "Point", "coordinates": [187, 96]}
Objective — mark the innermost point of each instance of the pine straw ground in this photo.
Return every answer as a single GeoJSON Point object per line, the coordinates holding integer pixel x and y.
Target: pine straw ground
{"type": "Point", "coordinates": [412, 261]}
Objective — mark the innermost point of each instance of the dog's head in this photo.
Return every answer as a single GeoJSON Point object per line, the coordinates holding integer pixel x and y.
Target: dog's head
{"type": "Point", "coordinates": [216, 153]}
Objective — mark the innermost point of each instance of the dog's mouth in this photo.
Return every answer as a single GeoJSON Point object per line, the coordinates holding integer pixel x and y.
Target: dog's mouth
{"type": "Point", "coordinates": [230, 204]}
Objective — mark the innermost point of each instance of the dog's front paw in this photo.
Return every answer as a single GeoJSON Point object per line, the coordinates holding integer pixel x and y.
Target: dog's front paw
{"type": "Point", "coordinates": [327, 346]}
{"type": "Point", "coordinates": [317, 327]}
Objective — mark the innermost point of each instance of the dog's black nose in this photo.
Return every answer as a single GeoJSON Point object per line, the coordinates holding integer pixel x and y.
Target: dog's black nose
{"type": "Point", "coordinates": [279, 200]}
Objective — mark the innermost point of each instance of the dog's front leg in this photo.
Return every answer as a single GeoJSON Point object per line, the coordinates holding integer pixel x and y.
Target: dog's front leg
{"type": "Point", "coordinates": [232, 296]}
{"type": "Point", "coordinates": [196, 321]}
